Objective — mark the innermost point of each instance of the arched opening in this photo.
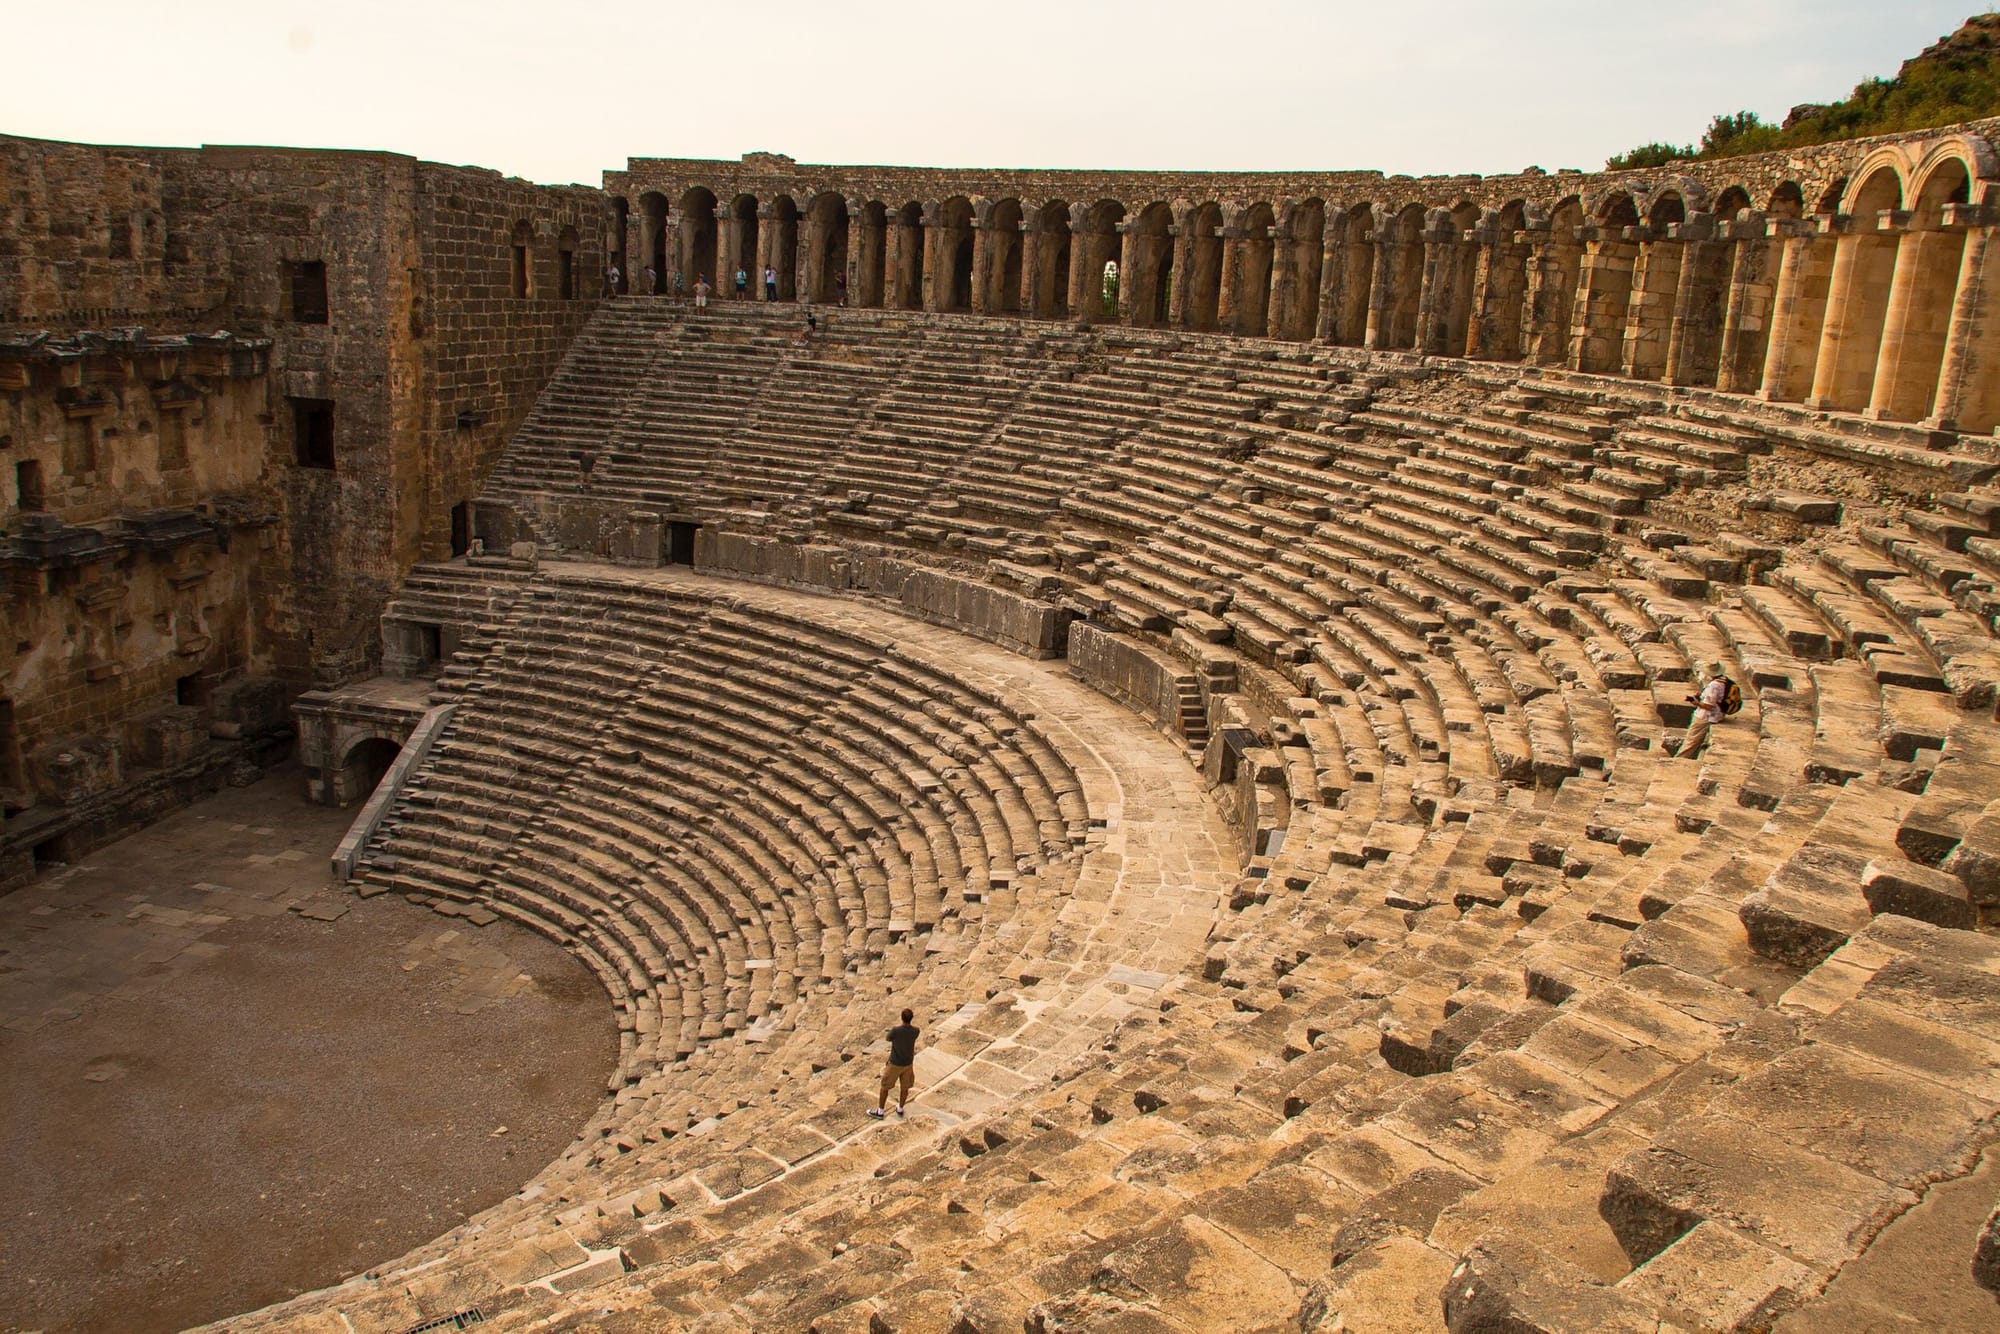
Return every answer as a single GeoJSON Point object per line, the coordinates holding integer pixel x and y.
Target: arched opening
{"type": "Point", "coordinates": [1553, 286]}
{"type": "Point", "coordinates": [951, 247]}
{"type": "Point", "coordinates": [741, 265]}
{"type": "Point", "coordinates": [907, 287]}
{"type": "Point", "coordinates": [697, 239]}
{"type": "Point", "coordinates": [1400, 274]}
{"type": "Point", "coordinates": [1922, 296]}
{"type": "Point", "coordinates": [1253, 271]}
{"type": "Point", "coordinates": [653, 242]}
{"type": "Point", "coordinates": [1094, 282]}
{"type": "Point", "coordinates": [621, 220]}
{"type": "Point", "coordinates": [1049, 294]}
{"type": "Point", "coordinates": [781, 250]}
{"type": "Point", "coordinates": [1204, 276]}
{"type": "Point", "coordinates": [1501, 301]}
{"type": "Point", "coordinates": [522, 277]}
{"type": "Point", "coordinates": [1656, 278]}
{"type": "Point", "coordinates": [1354, 295]}
{"type": "Point", "coordinates": [1787, 201]}
{"type": "Point", "coordinates": [870, 248]}
{"type": "Point", "coordinates": [1604, 291]}
{"type": "Point", "coordinates": [1457, 270]}
{"type": "Point", "coordinates": [1305, 233]}
{"type": "Point", "coordinates": [1829, 200]}
{"type": "Point", "coordinates": [1146, 272]}
{"type": "Point", "coordinates": [363, 767]}
{"type": "Point", "coordinates": [1003, 227]}
{"type": "Point", "coordinates": [828, 280]}
{"type": "Point", "coordinates": [1857, 300]}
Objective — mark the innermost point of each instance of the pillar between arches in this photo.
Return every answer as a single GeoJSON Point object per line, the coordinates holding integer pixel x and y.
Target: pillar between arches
{"type": "Point", "coordinates": [1232, 277]}
{"type": "Point", "coordinates": [1746, 318]}
{"type": "Point", "coordinates": [1968, 392]}
{"type": "Point", "coordinates": [1917, 323]}
{"type": "Point", "coordinates": [1545, 332]}
{"type": "Point", "coordinates": [1798, 306]}
{"type": "Point", "coordinates": [1183, 274]}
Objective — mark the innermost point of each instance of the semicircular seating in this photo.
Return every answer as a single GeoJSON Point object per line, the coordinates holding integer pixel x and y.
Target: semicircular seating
{"type": "Point", "coordinates": [1496, 1001]}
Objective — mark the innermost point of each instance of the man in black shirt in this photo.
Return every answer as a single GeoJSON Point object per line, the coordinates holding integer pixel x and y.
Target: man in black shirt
{"type": "Point", "coordinates": [901, 1068]}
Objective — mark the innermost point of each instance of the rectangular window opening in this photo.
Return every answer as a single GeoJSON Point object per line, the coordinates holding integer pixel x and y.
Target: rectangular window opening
{"type": "Point", "coordinates": [191, 690]}
{"type": "Point", "coordinates": [28, 492]}
{"type": "Point", "coordinates": [520, 271]}
{"type": "Point", "coordinates": [461, 528]}
{"type": "Point", "coordinates": [680, 542]}
{"type": "Point", "coordinates": [306, 284]}
{"type": "Point", "coordinates": [312, 432]}
{"type": "Point", "coordinates": [566, 274]}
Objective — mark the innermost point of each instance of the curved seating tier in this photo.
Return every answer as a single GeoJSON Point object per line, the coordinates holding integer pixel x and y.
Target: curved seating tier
{"type": "Point", "coordinates": [1511, 1015]}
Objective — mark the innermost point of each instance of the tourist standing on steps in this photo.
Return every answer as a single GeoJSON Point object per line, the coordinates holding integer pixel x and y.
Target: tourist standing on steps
{"type": "Point", "coordinates": [680, 287]}
{"type": "Point", "coordinates": [652, 281]}
{"type": "Point", "coordinates": [701, 292]}
{"type": "Point", "coordinates": [612, 278]}
{"type": "Point", "coordinates": [770, 284]}
{"type": "Point", "coordinates": [742, 285]}
{"type": "Point", "coordinates": [840, 289]}
{"type": "Point", "coordinates": [901, 1068]}
{"type": "Point", "coordinates": [1708, 709]}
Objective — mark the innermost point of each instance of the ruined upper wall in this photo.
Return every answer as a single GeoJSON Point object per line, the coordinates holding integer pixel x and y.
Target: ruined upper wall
{"type": "Point", "coordinates": [1821, 173]}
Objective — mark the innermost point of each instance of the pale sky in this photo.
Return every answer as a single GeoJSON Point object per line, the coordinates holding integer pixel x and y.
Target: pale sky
{"type": "Point", "coordinates": [560, 90]}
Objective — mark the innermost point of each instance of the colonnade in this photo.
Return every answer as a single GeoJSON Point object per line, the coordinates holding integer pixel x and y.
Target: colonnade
{"type": "Point", "coordinates": [1877, 301]}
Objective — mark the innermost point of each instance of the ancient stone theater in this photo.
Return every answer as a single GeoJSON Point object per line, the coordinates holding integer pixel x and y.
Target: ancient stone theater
{"type": "Point", "coordinates": [1217, 647]}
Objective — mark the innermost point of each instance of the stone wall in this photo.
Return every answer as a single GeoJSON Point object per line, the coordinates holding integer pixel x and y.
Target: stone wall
{"type": "Point", "coordinates": [388, 324]}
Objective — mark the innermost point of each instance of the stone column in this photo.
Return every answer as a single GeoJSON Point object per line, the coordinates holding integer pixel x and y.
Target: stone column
{"type": "Point", "coordinates": [1968, 392]}
{"type": "Point", "coordinates": [1381, 297]}
{"type": "Point", "coordinates": [1918, 321]}
{"type": "Point", "coordinates": [1694, 334]}
{"type": "Point", "coordinates": [1798, 307]}
{"type": "Point", "coordinates": [1232, 277]}
{"type": "Point", "coordinates": [1649, 312]}
{"type": "Point", "coordinates": [1284, 283]}
{"type": "Point", "coordinates": [1182, 240]}
{"type": "Point", "coordinates": [1857, 304]}
{"type": "Point", "coordinates": [1434, 294]}
{"type": "Point", "coordinates": [937, 264]}
{"type": "Point", "coordinates": [860, 240]}
{"type": "Point", "coordinates": [982, 266]}
{"type": "Point", "coordinates": [1746, 318]}
{"type": "Point", "coordinates": [1545, 304]}
{"type": "Point", "coordinates": [1086, 303]}
{"type": "Point", "coordinates": [1332, 280]}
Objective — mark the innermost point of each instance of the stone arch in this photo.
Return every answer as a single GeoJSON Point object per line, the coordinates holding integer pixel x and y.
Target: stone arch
{"type": "Point", "coordinates": [906, 272]}
{"type": "Point", "coordinates": [1857, 299]}
{"type": "Point", "coordinates": [1878, 185]}
{"type": "Point", "coordinates": [1093, 256]}
{"type": "Point", "coordinates": [652, 239]}
{"type": "Point", "coordinates": [1732, 201]}
{"type": "Point", "coordinates": [1048, 277]}
{"type": "Point", "coordinates": [781, 245]}
{"type": "Point", "coordinates": [1005, 258]}
{"type": "Point", "coordinates": [871, 236]}
{"type": "Point", "coordinates": [1251, 272]}
{"type": "Point", "coordinates": [1302, 226]}
{"type": "Point", "coordinates": [740, 251]}
{"type": "Point", "coordinates": [365, 758]}
{"type": "Point", "coordinates": [1604, 291]}
{"type": "Point", "coordinates": [697, 238]}
{"type": "Point", "coordinates": [1656, 280]}
{"type": "Point", "coordinates": [950, 249]}
{"type": "Point", "coordinates": [827, 245]}
{"type": "Point", "coordinates": [1146, 271]}
{"type": "Point", "coordinates": [1352, 281]}
{"type": "Point", "coordinates": [1963, 159]}
{"type": "Point", "coordinates": [1786, 200]}
{"type": "Point", "coordinates": [1202, 301]}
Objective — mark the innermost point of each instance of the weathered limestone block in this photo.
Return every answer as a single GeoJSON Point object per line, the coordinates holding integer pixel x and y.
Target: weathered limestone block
{"type": "Point", "coordinates": [167, 736]}
{"type": "Point", "coordinates": [1022, 624]}
{"type": "Point", "coordinates": [1128, 672]}
{"type": "Point", "coordinates": [1976, 860]}
{"type": "Point", "coordinates": [1505, 1285]}
{"type": "Point", "coordinates": [245, 709]}
{"type": "Point", "coordinates": [74, 769]}
{"type": "Point", "coordinates": [1915, 890]}
{"type": "Point", "coordinates": [1986, 1254]}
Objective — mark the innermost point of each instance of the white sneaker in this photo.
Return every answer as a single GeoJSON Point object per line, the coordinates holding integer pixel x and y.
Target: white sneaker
{"type": "Point", "coordinates": [876, 1112]}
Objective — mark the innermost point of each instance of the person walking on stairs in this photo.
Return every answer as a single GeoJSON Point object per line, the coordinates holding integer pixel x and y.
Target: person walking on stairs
{"type": "Point", "coordinates": [1709, 707]}
{"type": "Point", "coordinates": [701, 292]}
{"type": "Point", "coordinates": [901, 1068]}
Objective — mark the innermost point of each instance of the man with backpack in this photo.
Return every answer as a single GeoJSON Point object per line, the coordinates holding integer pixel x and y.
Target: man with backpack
{"type": "Point", "coordinates": [1719, 698]}
{"type": "Point", "coordinates": [900, 1070]}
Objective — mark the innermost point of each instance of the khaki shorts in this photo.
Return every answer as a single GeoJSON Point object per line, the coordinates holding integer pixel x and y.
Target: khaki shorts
{"type": "Point", "coordinates": [906, 1075]}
